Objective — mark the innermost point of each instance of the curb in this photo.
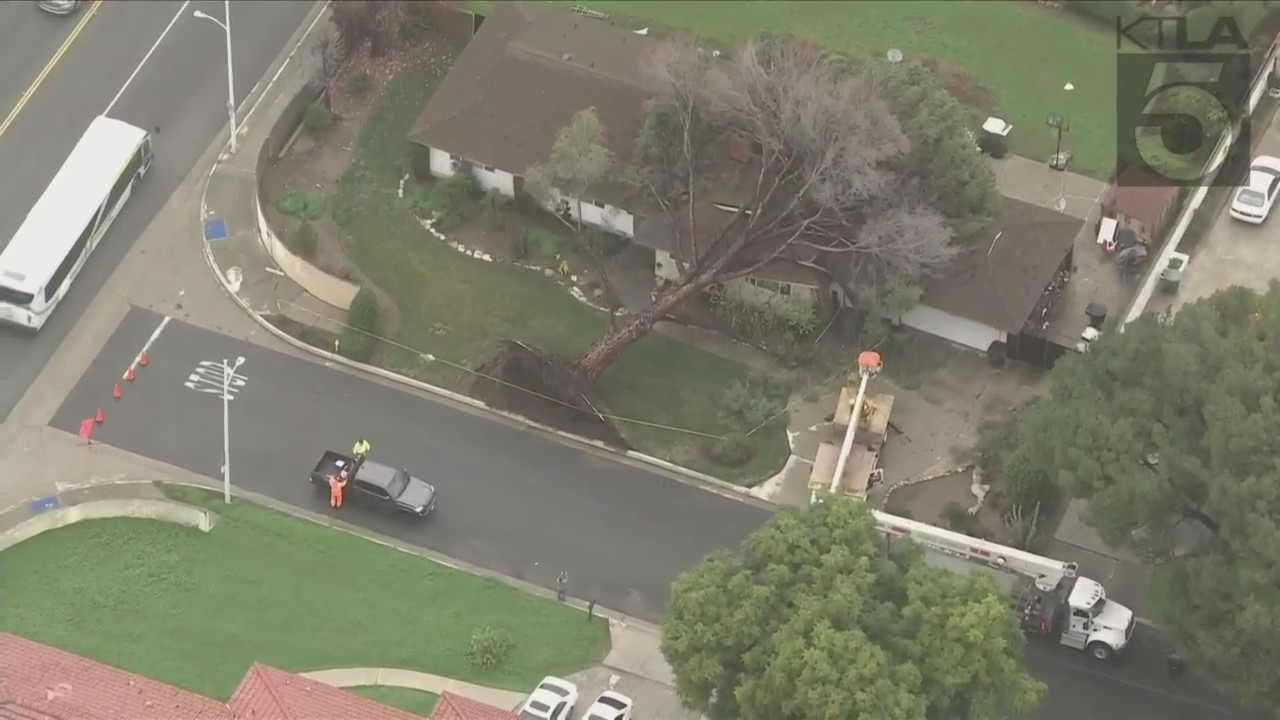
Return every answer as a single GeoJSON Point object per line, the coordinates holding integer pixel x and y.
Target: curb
{"type": "Point", "coordinates": [613, 616]}
{"type": "Point", "coordinates": [683, 474]}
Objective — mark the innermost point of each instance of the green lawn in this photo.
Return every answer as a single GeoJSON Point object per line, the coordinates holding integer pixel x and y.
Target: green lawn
{"type": "Point", "coordinates": [415, 701]}
{"type": "Point", "coordinates": [457, 308]}
{"type": "Point", "coordinates": [195, 609]}
{"type": "Point", "coordinates": [1020, 52]}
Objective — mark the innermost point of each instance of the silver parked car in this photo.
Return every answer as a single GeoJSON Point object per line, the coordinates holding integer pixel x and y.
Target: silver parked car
{"type": "Point", "coordinates": [58, 7]}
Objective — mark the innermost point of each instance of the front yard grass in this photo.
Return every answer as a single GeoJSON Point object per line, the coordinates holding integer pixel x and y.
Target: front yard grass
{"type": "Point", "coordinates": [457, 308]}
{"type": "Point", "coordinates": [414, 701]}
{"type": "Point", "coordinates": [195, 609]}
{"type": "Point", "coordinates": [1023, 54]}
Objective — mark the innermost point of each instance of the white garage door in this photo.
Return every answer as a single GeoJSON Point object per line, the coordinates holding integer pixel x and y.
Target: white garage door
{"type": "Point", "coordinates": [950, 327]}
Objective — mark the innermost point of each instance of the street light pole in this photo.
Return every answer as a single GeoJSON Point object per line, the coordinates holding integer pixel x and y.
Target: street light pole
{"type": "Point", "coordinates": [231, 83]}
{"type": "Point", "coordinates": [228, 372]}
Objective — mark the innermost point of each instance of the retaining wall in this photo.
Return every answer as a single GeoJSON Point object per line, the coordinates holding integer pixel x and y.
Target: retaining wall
{"type": "Point", "coordinates": [137, 508]}
{"type": "Point", "coordinates": [286, 119]}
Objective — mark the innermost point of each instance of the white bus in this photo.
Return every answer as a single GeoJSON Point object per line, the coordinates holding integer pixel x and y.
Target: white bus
{"type": "Point", "coordinates": [68, 221]}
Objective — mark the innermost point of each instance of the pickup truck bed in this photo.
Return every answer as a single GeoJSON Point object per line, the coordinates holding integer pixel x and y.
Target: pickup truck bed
{"type": "Point", "coordinates": [330, 463]}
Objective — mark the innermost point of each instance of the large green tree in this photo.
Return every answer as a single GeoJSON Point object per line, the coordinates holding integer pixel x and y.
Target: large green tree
{"type": "Point", "coordinates": [1171, 430]}
{"type": "Point", "coordinates": [816, 619]}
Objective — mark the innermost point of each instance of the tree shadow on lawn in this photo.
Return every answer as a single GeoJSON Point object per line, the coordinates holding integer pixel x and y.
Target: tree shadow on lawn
{"type": "Point", "coordinates": [455, 310]}
{"type": "Point", "coordinates": [197, 609]}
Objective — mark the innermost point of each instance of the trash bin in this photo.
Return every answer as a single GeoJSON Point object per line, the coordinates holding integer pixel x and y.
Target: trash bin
{"type": "Point", "coordinates": [1171, 276]}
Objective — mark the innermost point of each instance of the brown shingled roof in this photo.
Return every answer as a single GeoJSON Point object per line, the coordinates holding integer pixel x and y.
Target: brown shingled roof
{"type": "Point", "coordinates": [456, 707]}
{"type": "Point", "coordinates": [1005, 268]}
{"type": "Point", "coordinates": [521, 79]}
{"type": "Point", "coordinates": [267, 693]}
{"type": "Point", "coordinates": [40, 682]}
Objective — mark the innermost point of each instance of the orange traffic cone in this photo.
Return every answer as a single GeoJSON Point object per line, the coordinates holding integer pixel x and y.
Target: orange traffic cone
{"type": "Point", "coordinates": [128, 374]}
{"type": "Point", "coordinates": [98, 417]}
{"type": "Point", "coordinates": [115, 391]}
{"type": "Point", "coordinates": [142, 358]}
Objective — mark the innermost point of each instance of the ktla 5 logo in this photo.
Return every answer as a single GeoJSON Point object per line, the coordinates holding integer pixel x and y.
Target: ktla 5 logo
{"type": "Point", "coordinates": [1174, 103]}
{"type": "Point", "coordinates": [1174, 108]}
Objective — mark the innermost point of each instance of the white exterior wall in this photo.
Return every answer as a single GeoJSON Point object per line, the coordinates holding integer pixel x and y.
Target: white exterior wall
{"type": "Point", "coordinates": [501, 181]}
{"type": "Point", "coordinates": [665, 266]}
{"type": "Point", "coordinates": [440, 163]}
{"type": "Point", "coordinates": [958, 330]}
{"type": "Point", "coordinates": [606, 217]}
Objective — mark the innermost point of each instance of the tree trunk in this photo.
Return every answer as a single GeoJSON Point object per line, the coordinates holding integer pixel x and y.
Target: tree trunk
{"type": "Point", "coordinates": [605, 351]}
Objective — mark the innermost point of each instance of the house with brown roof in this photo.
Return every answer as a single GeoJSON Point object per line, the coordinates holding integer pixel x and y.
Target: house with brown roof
{"type": "Point", "coordinates": [39, 682]}
{"type": "Point", "coordinates": [1002, 286]}
{"type": "Point", "coordinates": [519, 81]}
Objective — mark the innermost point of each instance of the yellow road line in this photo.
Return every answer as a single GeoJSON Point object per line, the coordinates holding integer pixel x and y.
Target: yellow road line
{"type": "Point", "coordinates": [44, 72]}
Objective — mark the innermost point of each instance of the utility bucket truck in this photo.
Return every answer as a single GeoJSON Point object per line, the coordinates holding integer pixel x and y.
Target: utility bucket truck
{"type": "Point", "coordinates": [1050, 599]}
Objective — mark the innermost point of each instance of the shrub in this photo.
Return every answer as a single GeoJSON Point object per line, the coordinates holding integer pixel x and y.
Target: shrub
{"type": "Point", "coordinates": [317, 117]}
{"type": "Point", "coordinates": [359, 338]}
{"type": "Point", "coordinates": [958, 518]}
{"type": "Point", "coordinates": [448, 200]}
{"type": "Point", "coordinates": [545, 242]}
{"type": "Point", "coordinates": [360, 84]}
{"type": "Point", "coordinates": [753, 402]}
{"type": "Point", "coordinates": [489, 648]}
{"type": "Point", "coordinates": [304, 240]}
{"type": "Point", "coordinates": [732, 451]}
{"type": "Point", "coordinates": [301, 204]}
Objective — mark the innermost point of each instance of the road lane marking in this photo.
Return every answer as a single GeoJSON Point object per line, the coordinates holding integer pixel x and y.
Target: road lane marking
{"type": "Point", "coordinates": [48, 67]}
{"type": "Point", "coordinates": [209, 377]}
{"type": "Point", "coordinates": [176, 17]}
{"type": "Point", "coordinates": [150, 341]}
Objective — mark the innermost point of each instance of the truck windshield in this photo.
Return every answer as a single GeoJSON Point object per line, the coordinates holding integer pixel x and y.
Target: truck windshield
{"type": "Point", "coordinates": [1096, 610]}
{"type": "Point", "coordinates": [398, 484]}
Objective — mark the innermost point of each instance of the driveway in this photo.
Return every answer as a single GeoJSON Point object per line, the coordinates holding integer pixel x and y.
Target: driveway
{"type": "Point", "coordinates": [1232, 252]}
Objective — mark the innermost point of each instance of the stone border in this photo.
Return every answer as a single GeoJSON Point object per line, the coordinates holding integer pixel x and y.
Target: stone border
{"type": "Point", "coordinates": [699, 479]}
{"type": "Point", "coordinates": [169, 511]}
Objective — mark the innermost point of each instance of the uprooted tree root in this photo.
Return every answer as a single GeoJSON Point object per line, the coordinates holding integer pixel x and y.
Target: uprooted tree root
{"type": "Point", "coordinates": [546, 389]}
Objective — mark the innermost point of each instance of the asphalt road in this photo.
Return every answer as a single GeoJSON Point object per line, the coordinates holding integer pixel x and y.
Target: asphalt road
{"type": "Point", "coordinates": [508, 500]}
{"type": "Point", "coordinates": [181, 90]}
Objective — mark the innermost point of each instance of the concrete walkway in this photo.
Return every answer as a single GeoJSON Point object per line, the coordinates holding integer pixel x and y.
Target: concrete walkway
{"type": "Point", "coordinates": [414, 680]}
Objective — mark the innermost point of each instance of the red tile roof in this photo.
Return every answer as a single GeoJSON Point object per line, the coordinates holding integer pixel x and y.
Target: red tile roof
{"type": "Point", "coordinates": [38, 682]}
{"type": "Point", "coordinates": [456, 707]}
{"type": "Point", "coordinates": [267, 693]}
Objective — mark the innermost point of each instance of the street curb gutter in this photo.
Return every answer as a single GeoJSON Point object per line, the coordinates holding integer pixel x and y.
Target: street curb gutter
{"type": "Point", "coordinates": [613, 616]}
{"type": "Point", "coordinates": [692, 477]}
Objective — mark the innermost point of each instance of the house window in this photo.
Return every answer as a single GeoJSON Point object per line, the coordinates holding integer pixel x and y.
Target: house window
{"type": "Point", "coordinates": [774, 286]}
{"type": "Point", "coordinates": [489, 168]}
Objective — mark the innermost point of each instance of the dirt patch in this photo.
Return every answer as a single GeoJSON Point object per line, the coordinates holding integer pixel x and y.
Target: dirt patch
{"type": "Point", "coordinates": [537, 386]}
{"type": "Point", "coordinates": [933, 502]}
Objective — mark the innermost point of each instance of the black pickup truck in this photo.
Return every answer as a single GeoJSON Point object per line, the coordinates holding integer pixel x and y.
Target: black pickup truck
{"type": "Point", "coordinates": [377, 485]}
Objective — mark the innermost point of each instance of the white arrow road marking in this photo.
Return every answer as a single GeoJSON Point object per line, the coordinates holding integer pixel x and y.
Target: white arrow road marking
{"type": "Point", "coordinates": [209, 377]}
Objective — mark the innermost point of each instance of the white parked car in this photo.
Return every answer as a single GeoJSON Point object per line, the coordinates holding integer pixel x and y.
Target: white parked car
{"type": "Point", "coordinates": [610, 706]}
{"type": "Point", "coordinates": [553, 699]}
{"type": "Point", "coordinates": [1254, 199]}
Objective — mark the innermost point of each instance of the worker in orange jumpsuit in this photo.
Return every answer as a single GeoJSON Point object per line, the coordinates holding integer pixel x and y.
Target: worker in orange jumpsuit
{"type": "Point", "coordinates": [337, 483]}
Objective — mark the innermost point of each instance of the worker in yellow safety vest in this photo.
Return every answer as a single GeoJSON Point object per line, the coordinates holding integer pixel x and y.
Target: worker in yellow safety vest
{"type": "Point", "coordinates": [361, 449]}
